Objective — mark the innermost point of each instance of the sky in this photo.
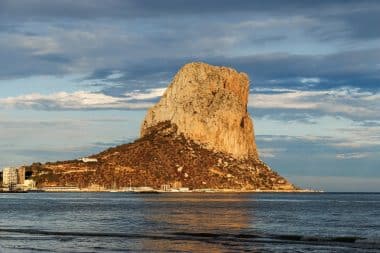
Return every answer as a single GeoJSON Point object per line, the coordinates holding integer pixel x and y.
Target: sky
{"type": "Point", "coordinates": [77, 77]}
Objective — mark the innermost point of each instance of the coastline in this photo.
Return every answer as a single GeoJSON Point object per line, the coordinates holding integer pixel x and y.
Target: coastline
{"type": "Point", "coordinates": [171, 191]}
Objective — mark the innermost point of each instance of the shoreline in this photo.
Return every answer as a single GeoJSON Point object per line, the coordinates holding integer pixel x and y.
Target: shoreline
{"type": "Point", "coordinates": [160, 191]}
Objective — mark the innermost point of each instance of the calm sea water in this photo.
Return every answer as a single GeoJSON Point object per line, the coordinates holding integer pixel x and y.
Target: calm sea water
{"type": "Point", "coordinates": [125, 222]}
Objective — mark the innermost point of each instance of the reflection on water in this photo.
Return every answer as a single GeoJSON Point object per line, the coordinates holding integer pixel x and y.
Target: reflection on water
{"type": "Point", "coordinates": [189, 214]}
{"type": "Point", "coordinates": [200, 213]}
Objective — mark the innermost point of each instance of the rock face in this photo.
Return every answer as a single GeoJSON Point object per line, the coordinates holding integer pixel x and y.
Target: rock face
{"type": "Point", "coordinates": [208, 104]}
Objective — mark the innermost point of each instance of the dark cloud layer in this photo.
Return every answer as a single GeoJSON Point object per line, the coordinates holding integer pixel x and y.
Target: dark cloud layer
{"type": "Point", "coordinates": [355, 19]}
{"type": "Point", "coordinates": [353, 68]}
{"type": "Point", "coordinates": [147, 8]}
{"type": "Point", "coordinates": [140, 8]}
{"type": "Point", "coordinates": [358, 68]}
{"type": "Point", "coordinates": [154, 38]}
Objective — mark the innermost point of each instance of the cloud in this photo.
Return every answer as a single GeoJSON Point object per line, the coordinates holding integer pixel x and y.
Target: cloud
{"type": "Point", "coordinates": [37, 9]}
{"type": "Point", "coordinates": [356, 69]}
{"type": "Point", "coordinates": [352, 156]}
{"type": "Point", "coordinates": [79, 100]}
{"type": "Point", "coordinates": [148, 47]}
{"type": "Point", "coordinates": [336, 20]}
{"type": "Point", "coordinates": [149, 94]}
{"type": "Point", "coordinates": [270, 152]}
{"type": "Point", "coordinates": [359, 136]}
{"type": "Point", "coordinates": [283, 104]}
{"type": "Point", "coordinates": [359, 22]}
{"type": "Point", "coordinates": [347, 102]}
{"type": "Point", "coordinates": [84, 100]}
{"type": "Point", "coordinates": [71, 38]}
{"type": "Point", "coordinates": [346, 68]}
{"type": "Point", "coordinates": [279, 22]}
{"type": "Point", "coordinates": [310, 80]}
{"type": "Point", "coordinates": [351, 139]}
{"type": "Point", "coordinates": [302, 155]}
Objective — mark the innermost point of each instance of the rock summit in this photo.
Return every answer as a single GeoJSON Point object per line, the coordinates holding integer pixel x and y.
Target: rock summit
{"type": "Point", "coordinates": [208, 104]}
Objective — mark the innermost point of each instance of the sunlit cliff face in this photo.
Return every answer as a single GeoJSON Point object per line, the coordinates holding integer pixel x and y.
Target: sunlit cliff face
{"type": "Point", "coordinates": [208, 104]}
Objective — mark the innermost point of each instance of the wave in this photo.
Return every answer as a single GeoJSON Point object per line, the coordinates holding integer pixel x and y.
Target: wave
{"type": "Point", "coordinates": [244, 238]}
{"type": "Point", "coordinates": [73, 233]}
{"type": "Point", "coordinates": [345, 241]}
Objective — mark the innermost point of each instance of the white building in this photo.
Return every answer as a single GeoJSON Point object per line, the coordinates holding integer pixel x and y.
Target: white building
{"type": "Point", "coordinates": [29, 184]}
{"type": "Point", "coordinates": [10, 178]}
{"type": "Point", "coordinates": [61, 189]}
{"type": "Point", "coordinates": [88, 160]}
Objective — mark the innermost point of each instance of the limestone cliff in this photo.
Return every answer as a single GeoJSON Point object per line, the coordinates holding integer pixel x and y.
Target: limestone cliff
{"type": "Point", "coordinates": [208, 104]}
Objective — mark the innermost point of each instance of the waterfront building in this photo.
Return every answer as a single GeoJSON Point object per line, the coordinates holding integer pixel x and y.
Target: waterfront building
{"type": "Point", "coordinates": [29, 184]}
{"type": "Point", "coordinates": [21, 175]}
{"type": "Point", "coordinates": [61, 189]}
{"type": "Point", "coordinates": [165, 187]}
{"type": "Point", "coordinates": [13, 178]}
{"type": "Point", "coordinates": [10, 177]}
{"type": "Point", "coordinates": [88, 160]}
{"type": "Point", "coordinates": [143, 189]}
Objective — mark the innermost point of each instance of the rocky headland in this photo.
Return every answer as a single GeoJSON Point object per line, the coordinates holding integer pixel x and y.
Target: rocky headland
{"type": "Point", "coordinates": [199, 135]}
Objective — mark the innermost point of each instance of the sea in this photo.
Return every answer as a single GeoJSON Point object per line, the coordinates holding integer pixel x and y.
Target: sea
{"type": "Point", "coordinates": [189, 222]}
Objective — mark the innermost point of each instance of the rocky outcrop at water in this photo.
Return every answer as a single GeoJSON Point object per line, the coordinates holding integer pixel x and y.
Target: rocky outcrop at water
{"type": "Point", "coordinates": [199, 135]}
